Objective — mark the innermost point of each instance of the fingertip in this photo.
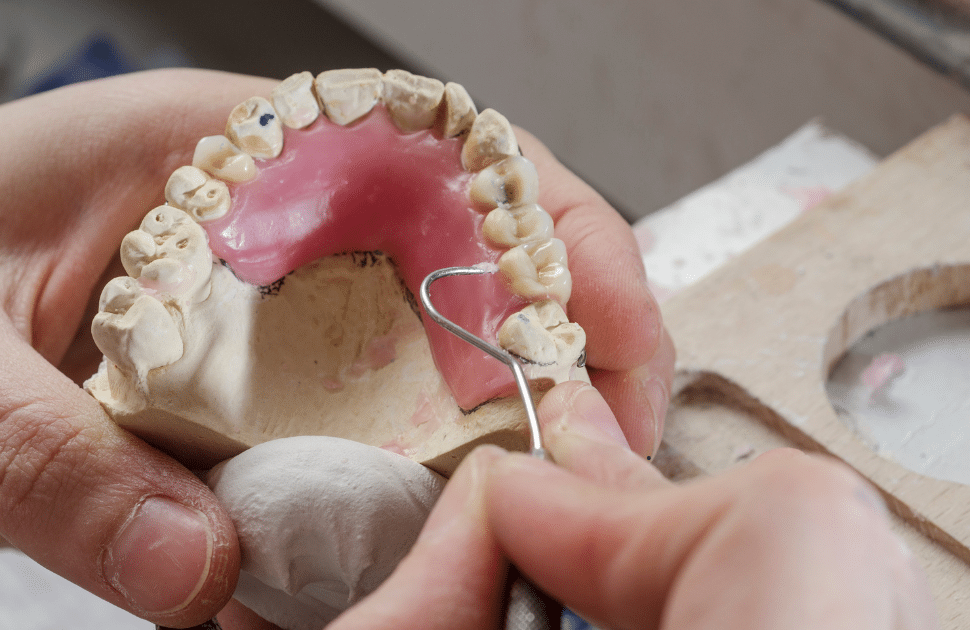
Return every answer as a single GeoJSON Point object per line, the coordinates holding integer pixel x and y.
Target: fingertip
{"type": "Point", "coordinates": [579, 408]}
{"type": "Point", "coordinates": [461, 497]}
{"type": "Point", "coordinates": [639, 399]}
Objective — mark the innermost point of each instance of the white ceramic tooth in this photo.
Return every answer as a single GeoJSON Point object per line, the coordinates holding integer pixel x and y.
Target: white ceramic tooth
{"type": "Point", "coordinates": [295, 101]}
{"type": "Point", "coordinates": [138, 248]}
{"type": "Point", "coordinates": [134, 330]}
{"type": "Point", "coordinates": [192, 190]}
{"type": "Point", "coordinates": [460, 111]}
{"type": "Point", "coordinates": [542, 334]}
{"type": "Point", "coordinates": [169, 253]}
{"type": "Point", "coordinates": [538, 270]}
{"type": "Point", "coordinates": [514, 226]}
{"type": "Point", "coordinates": [119, 295]}
{"type": "Point", "coordinates": [255, 127]}
{"type": "Point", "coordinates": [219, 157]}
{"type": "Point", "coordinates": [412, 100]}
{"type": "Point", "coordinates": [490, 140]}
{"type": "Point", "coordinates": [509, 182]}
{"type": "Point", "coordinates": [346, 95]}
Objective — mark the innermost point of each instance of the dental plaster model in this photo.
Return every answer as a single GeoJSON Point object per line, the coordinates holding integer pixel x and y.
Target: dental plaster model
{"type": "Point", "coordinates": [262, 303]}
{"type": "Point", "coordinates": [293, 335]}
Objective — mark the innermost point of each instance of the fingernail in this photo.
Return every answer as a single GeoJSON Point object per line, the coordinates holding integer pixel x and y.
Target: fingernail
{"type": "Point", "coordinates": [589, 415]}
{"type": "Point", "coordinates": [160, 558]}
{"type": "Point", "coordinates": [658, 398]}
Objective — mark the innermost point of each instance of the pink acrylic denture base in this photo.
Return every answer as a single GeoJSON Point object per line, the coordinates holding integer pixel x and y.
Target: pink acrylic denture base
{"type": "Point", "coordinates": [368, 187]}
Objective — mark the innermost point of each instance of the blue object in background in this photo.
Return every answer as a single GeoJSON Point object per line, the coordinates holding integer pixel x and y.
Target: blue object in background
{"type": "Point", "coordinates": [100, 57]}
{"type": "Point", "coordinates": [572, 621]}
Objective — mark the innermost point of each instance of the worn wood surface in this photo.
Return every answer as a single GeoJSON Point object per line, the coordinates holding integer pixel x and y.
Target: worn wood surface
{"type": "Point", "coordinates": [757, 338]}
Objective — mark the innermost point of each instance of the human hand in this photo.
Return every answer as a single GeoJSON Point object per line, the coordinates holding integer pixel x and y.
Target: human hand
{"type": "Point", "coordinates": [630, 356]}
{"type": "Point", "coordinates": [81, 167]}
{"type": "Point", "coordinates": [787, 541]}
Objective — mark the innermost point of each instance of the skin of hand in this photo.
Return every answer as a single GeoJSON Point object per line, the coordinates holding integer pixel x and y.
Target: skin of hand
{"type": "Point", "coordinates": [787, 541]}
{"type": "Point", "coordinates": [80, 167]}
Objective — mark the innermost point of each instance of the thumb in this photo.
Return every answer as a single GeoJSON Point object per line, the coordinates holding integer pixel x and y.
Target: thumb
{"type": "Point", "coordinates": [96, 505]}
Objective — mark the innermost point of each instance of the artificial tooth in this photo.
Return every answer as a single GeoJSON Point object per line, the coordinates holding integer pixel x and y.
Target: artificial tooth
{"type": "Point", "coordinates": [255, 127]}
{"type": "Point", "coordinates": [138, 248]}
{"type": "Point", "coordinates": [490, 140]}
{"type": "Point", "coordinates": [514, 226]}
{"type": "Point", "coordinates": [542, 334]}
{"type": "Point", "coordinates": [346, 95]}
{"type": "Point", "coordinates": [192, 190]}
{"type": "Point", "coordinates": [118, 295]}
{"type": "Point", "coordinates": [168, 252]}
{"type": "Point", "coordinates": [295, 102]}
{"type": "Point", "coordinates": [140, 337]}
{"type": "Point", "coordinates": [219, 157]}
{"type": "Point", "coordinates": [460, 111]}
{"type": "Point", "coordinates": [509, 182]}
{"type": "Point", "coordinates": [411, 99]}
{"type": "Point", "coordinates": [538, 270]}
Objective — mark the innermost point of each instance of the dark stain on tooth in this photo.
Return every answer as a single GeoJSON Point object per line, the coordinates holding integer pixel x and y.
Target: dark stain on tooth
{"type": "Point", "coordinates": [525, 361]}
{"type": "Point", "coordinates": [265, 118]}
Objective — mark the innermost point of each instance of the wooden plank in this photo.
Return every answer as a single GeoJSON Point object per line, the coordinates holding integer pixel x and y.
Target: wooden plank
{"type": "Point", "coordinates": [758, 337]}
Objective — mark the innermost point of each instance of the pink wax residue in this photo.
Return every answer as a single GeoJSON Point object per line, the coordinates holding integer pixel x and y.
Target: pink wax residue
{"type": "Point", "coordinates": [380, 352]}
{"type": "Point", "coordinates": [366, 187]}
{"type": "Point", "coordinates": [881, 370]}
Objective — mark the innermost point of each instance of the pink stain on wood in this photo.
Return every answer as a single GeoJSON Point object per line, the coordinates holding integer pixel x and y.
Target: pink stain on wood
{"type": "Point", "coordinates": [808, 196]}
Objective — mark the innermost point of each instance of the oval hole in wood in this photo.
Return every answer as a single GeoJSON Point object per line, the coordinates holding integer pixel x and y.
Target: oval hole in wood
{"type": "Point", "coordinates": [899, 370]}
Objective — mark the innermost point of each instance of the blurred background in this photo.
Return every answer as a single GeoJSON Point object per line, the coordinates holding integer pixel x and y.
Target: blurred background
{"type": "Point", "coordinates": [646, 100]}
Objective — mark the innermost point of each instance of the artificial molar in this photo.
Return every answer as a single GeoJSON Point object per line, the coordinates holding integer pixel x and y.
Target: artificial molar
{"type": "Point", "coordinates": [538, 270]}
{"type": "Point", "coordinates": [490, 139]}
{"type": "Point", "coordinates": [295, 101]}
{"type": "Point", "coordinates": [135, 331]}
{"type": "Point", "coordinates": [412, 100]}
{"type": "Point", "coordinates": [346, 95]}
{"type": "Point", "coordinates": [460, 111]}
{"type": "Point", "coordinates": [514, 226]}
{"type": "Point", "coordinates": [219, 157]}
{"type": "Point", "coordinates": [513, 181]}
{"type": "Point", "coordinates": [192, 190]}
{"type": "Point", "coordinates": [169, 254]}
{"type": "Point", "coordinates": [542, 334]}
{"type": "Point", "coordinates": [321, 523]}
{"type": "Point", "coordinates": [255, 127]}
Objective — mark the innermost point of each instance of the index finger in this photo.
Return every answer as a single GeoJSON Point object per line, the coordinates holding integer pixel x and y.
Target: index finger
{"type": "Point", "coordinates": [610, 298]}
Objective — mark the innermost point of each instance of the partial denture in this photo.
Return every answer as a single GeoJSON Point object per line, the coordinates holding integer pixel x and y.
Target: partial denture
{"type": "Point", "coordinates": [283, 189]}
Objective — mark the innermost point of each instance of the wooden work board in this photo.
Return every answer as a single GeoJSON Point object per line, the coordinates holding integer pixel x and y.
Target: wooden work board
{"type": "Point", "coordinates": [757, 339]}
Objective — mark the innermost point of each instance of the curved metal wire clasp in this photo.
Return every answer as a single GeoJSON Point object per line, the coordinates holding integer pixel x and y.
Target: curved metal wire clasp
{"type": "Point", "coordinates": [537, 449]}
